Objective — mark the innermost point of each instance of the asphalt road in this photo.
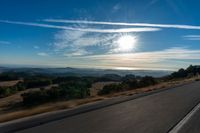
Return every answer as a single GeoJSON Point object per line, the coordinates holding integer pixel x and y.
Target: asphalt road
{"type": "Point", "coordinates": [192, 125]}
{"type": "Point", "coordinates": [156, 113]}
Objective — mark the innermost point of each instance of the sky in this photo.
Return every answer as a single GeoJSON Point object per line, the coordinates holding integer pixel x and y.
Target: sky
{"type": "Point", "coordinates": [105, 34]}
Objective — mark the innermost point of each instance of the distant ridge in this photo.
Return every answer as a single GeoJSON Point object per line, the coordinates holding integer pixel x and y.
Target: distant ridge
{"type": "Point", "coordinates": [86, 71]}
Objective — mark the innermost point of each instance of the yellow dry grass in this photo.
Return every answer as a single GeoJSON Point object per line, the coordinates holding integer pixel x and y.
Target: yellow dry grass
{"type": "Point", "coordinates": [48, 107]}
{"type": "Point", "coordinates": [9, 83]}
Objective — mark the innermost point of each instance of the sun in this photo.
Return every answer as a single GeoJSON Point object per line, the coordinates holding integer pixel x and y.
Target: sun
{"type": "Point", "coordinates": [126, 43]}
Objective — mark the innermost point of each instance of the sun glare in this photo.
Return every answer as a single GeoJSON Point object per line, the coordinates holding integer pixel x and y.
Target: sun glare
{"type": "Point", "coordinates": [126, 43]}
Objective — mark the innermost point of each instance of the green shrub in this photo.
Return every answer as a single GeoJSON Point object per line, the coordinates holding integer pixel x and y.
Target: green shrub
{"type": "Point", "coordinates": [34, 97]}
{"type": "Point", "coordinates": [129, 82]}
{"type": "Point", "coordinates": [33, 83]}
{"type": "Point", "coordinates": [70, 90]}
{"type": "Point", "coordinates": [4, 91]}
{"type": "Point", "coordinates": [107, 89]}
{"type": "Point", "coordinates": [7, 91]}
{"type": "Point", "coordinates": [147, 81]}
{"type": "Point", "coordinates": [7, 76]}
{"type": "Point", "coordinates": [75, 89]}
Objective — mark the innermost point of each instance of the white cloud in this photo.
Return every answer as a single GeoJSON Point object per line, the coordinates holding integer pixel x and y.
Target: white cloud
{"type": "Point", "coordinates": [125, 24]}
{"type": "Point", "coordinates": [42, 54]}
{"type": "Point", "coordinates": [96, 30]}
{"type": "Point", "coordinates": [79, 52]}
{"type": "Point", "coordinates": [71, 41]}
{"type": "Point", "coordinates": [65, 38]}
{"type": "Point", "coordinates": [4, 42]}
{"type": "Point", "coordinates": [192, 37]}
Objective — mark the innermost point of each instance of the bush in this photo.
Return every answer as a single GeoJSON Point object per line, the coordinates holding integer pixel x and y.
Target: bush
{"type": "Point", "coordinates": [129, 82]}
{"type": "Point", "coordinates": [37, 83]}
{"type": "Point", "coordinates": [75, 89]}
{"type": "Point", "coordinates": [20, 86]}
{"type": "Point", "coordinates": [108, 77]}
{"type": "Point", "coordinates": [107, 89]}
{"type": "Point", "coordinates": [7, 76]}
{"type": "Point", "coordinates": [59, 80]}
{"type": "Point", "coordinates": [146, 81]}
{"type": "Point", "coordinates": [35, 97]}
{"type": "Point", "coordinates": [4, 91]}
{"type": "Point", "coordinates": [7, 91]}
{"type": "Point", "coordinates": [183, 73]}
{"type": "Point", "coordinates": [70, 90]}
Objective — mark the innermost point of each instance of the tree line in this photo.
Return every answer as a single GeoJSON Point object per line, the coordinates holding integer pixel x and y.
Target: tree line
{"type": "Point", "coordinates": [128, 83]}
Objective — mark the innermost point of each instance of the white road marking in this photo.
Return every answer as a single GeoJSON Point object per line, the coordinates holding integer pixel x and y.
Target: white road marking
{"type": "Point", "coordinates": [177, 128]}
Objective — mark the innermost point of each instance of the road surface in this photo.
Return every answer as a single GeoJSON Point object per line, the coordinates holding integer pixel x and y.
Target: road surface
{"type": "Point", "coordinates": [156, 113]}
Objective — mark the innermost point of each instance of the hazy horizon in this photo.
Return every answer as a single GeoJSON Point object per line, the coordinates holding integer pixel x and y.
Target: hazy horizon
{"type": "Point", "coordinates": [13, 66]}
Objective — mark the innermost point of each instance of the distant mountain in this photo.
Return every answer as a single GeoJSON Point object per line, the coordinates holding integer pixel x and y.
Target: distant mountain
{"type": "Point", "coordinates": [68, 71]}
{"type": "Point", "coordinates": [2, 69]}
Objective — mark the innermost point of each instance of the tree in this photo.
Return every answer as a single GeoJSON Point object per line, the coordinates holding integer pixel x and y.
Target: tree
{"type": "Point", "coordinates": [131, 81]}
{"type": "Point", "coordinates": [146, 81]}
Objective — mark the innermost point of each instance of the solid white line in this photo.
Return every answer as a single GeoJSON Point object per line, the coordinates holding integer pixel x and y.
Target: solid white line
{"type": "Point", "coordinates": [177, 128]}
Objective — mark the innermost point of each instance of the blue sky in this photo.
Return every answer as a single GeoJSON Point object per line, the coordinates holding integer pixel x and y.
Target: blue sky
{"type": "Point", "coordinates": [164, 34]}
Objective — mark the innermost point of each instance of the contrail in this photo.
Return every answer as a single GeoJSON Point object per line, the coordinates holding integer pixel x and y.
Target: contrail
{"type": "Point", "coordinates": [192, 27]}
{"type": "Point", "coordinates": [119, 30]}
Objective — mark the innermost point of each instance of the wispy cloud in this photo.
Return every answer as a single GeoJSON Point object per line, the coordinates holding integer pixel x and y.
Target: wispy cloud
{"type": "Point", "coordinates": [72, 40]}
{"type": "Point", "coordinates": [42, 54]}
{"type": "Point", "coordinates": [171, 53]}
{"type": "Point", "coordinates": [124, 24]}
{"type": "Point", "coordinates": [79, 52]}
{"type": "Point", "coordinates": [36, 47]}
{"type": "Point", "coordinates": [192, 37]}
{"type": "Point", "coordinates": [119, 30]}
{"type": "Point", "coordinates": [116, 7]}
{"type": "Point", "coordinates": [73, 43]}
{"type": "Point", "coordinates": [172, 58]}
{"type": "Point", "coordinates": [166, 59]}
{"type": "Point", "coordinates": [4, 42]}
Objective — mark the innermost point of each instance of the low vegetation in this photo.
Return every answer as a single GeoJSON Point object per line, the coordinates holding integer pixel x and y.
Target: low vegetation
{"type": "Point", "coordinates": [65, 91]}
{"type": "Point", "coordinates": [188, 72]}
{"type": "Point", "coordinates": [31, 94]}
{"type": "Point", "coordinates": [8, 76]}
{"type": "Point", "coordinates": [72, 87]}
{"type": "Point", "coordinates": [129, 82]}
{"type": "Point", "coordinates": [7, 91]}
{"type": "Point", "coordinates": [34, 83]}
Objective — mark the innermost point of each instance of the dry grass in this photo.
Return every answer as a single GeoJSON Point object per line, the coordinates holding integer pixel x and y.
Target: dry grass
{"type": "Point", "coordinates": [7, 114]}
{"type": "Point", "coordinates": [98, 86]}
{"type": "Point", "coordinates": [9, 83]}
{"type": "Point", "coordinates": [48, 107]}
{"type": "Point", "coordinates": [162, 85]}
